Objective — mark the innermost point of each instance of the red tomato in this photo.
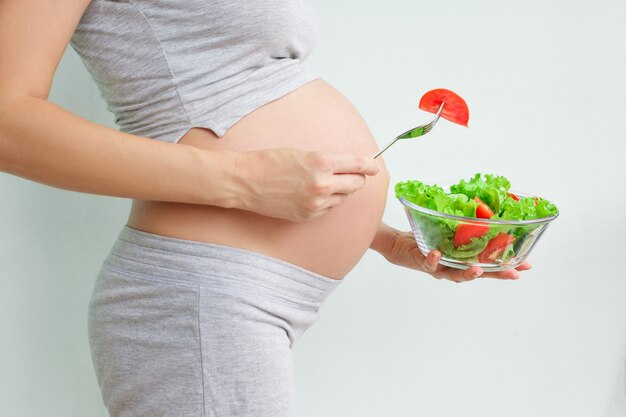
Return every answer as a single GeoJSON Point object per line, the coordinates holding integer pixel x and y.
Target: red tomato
{"type": "Point", "coordinates": [483, 211]}
{"type": "Point", "coordinates": [496, 247]}
{"type": "Point", "coordinates": [514, 197]}
{"type": "Point", "coordinates": [465, 232]}
{"type": "Point", "coordinates": [454, 108]}
{"type": "Point", "coordinates": [536, 201]}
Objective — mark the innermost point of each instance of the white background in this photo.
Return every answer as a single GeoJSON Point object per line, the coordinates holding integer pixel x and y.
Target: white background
{"type": "Point", "coordinates": [545, 83]}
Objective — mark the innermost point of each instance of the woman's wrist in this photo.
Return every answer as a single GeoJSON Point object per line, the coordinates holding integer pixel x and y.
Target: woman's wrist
{"type": "Point", "coordinates": [217, 179]}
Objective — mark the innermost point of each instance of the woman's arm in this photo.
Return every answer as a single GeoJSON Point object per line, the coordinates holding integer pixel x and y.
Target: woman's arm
{"type": "Point", "coordinates": [400, 248]}
{"type": "Point", "coordinates": [42, 142]}
{"type": "Point", "coordinates": [384, 239]}
{"type": "Point", "coordinates": [45, 143]}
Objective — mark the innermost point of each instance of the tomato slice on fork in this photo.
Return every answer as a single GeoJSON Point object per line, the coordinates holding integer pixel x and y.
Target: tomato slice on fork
{"type": "Point", "coordinates": [454, 107]}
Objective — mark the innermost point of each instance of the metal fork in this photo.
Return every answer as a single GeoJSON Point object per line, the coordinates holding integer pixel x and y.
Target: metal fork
{"type": "Point", "coordinates": [413, 133]}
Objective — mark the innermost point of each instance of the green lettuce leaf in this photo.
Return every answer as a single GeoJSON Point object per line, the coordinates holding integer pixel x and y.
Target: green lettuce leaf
{"type": "Point", "coordinates": [491, 189]}
{"type": "Point", "coordinates": [527, 208]}
{"type": "Point", "coordinates": [435, 198]}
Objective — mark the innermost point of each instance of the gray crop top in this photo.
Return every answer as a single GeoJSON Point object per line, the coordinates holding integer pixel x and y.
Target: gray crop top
{"type": "Point", "coordinates": [164, 66]}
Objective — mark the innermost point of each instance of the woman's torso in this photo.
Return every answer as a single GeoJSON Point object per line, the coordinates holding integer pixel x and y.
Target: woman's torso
{"type": "Point", "coordinates": [228, 75]}
{"type": "Point", "coordinates": [313, 117]}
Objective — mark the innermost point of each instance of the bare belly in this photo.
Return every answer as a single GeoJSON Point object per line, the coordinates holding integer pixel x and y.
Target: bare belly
{"type": "Point", "coordinates": [314, 117]}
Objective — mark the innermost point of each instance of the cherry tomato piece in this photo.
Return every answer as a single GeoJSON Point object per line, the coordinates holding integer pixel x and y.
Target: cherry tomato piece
{"type": "Point", "coordinates": [483, 211]}
{"type": "Point", "coordinates": [465, 232]}
{"type": "Point", "coordinates": [496, 247]}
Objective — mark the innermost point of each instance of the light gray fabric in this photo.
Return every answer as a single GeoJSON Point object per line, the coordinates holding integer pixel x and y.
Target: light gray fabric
{"type": "Point", "coordinates": [164, 66]}
{"type": "Point", "coordinates": [180, 328]}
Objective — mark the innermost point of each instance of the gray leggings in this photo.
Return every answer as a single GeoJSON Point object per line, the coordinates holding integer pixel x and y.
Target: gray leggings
{"type": "Point", "coordinates": [179, 328]}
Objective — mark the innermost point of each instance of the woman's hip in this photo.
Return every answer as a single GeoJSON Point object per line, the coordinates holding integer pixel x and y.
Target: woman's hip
{"type": "Point", "coordinates": [176, 323]}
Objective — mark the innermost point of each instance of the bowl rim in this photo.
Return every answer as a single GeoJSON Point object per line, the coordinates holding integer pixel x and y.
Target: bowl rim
{"type": "Point", "coordinates": [421, 209]}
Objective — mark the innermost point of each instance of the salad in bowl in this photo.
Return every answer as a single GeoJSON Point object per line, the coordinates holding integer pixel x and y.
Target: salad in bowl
{"type": "Point", "coordinates": [479, 222]}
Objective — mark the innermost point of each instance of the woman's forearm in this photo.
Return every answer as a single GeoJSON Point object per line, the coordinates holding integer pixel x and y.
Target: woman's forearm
{"type": "Point", "coordinates": [384, 239]}
{"type": "Point", "coordinates": [41, 141]}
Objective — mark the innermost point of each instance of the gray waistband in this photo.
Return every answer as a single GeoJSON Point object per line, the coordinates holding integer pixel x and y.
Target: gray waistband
{"type": "Point", "coordinates": [203, 264]}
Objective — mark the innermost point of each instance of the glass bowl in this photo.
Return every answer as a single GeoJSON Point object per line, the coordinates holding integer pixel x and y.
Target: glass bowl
{"type": "Point", "coordinates": [498, 245]}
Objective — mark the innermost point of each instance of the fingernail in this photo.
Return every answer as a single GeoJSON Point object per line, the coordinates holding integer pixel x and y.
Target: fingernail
{"type": "Point", "coordinates": [477, 274]}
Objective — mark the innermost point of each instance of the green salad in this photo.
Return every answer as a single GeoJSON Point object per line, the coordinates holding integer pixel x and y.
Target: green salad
{"type": "Point", "coordinates": [483, 196]}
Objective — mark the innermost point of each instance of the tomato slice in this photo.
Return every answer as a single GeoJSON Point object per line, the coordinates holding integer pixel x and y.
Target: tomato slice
{"type": "Point", "coordinates": [465, 232]}
{"type": "Point", "coordinates": [496, 247]}
{"type": "Point", "coordinates": [454, 108]}
{"type": "Point", "coordinates": [483, 211]}
{"type": "Point", "coordinates": [514, 197]}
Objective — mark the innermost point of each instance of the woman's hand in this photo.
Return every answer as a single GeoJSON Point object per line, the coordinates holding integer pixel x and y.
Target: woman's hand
{"type": "Point", "coordinates": [401, 249]}
{"type": "Point", "coordinates": [297, 185]}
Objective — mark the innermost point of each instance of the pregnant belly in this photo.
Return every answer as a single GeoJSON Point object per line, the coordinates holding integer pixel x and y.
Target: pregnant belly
{"type": "Point", "coordinates": [313, 117]}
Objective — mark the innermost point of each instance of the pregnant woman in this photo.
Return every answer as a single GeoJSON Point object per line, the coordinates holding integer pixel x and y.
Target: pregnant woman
{"type": "Point", "coordinates": [254, 192]}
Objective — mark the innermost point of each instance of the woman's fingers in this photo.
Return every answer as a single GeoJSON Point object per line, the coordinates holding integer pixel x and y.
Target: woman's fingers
{"type": "Point", "coordinates": [346, 183]}
{"type": "Point", "coordinates": [354, 164]}
{"type": "Point", "coordinates": [462, 275]}
{"type": "Point", "coordinates": [432, 261]}
{"type": "Point", "coordinates": [432, 267]}
{"type": "Point", "coordinates": [509, 273]}
{"type": "Point", "coordinates": [333, 201]}
{"type": "Point", "coordinates": [458, 275]}
{"type": "Point", "coordinates": [336, 176]}
{"type": "Point", "coordinates": [476, 272]}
